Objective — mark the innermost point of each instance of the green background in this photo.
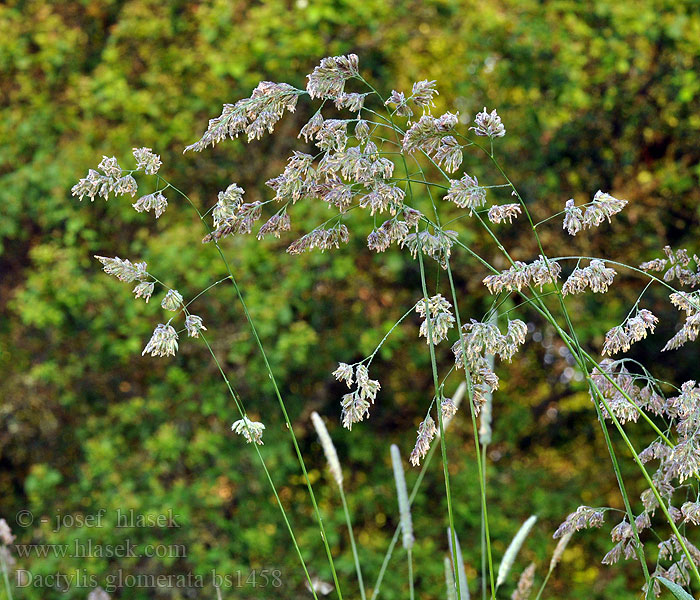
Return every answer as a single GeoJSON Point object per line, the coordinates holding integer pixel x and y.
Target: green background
{"type": "Point", "coordinates": [597, 94]}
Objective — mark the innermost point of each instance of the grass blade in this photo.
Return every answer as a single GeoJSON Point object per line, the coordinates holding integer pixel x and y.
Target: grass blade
{"type": "Point", "coordinates": [675, 589]}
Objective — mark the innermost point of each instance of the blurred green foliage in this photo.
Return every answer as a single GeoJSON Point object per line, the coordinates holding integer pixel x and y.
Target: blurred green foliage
{"type": "Point", "coordinates": [601, 94]}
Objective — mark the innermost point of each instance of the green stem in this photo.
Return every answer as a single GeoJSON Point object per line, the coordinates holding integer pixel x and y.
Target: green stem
{"type": "Point", "coordinates": [483, 530]}
{"type": "Point", "coordinates": [355, 557]}
{"type": "Point", "coordinates": [544, 584]}
{"type": "Point", "coordinates": [443, 446]}
{"type": "Point", "coordinates": [432, 357]}
{"type": "Point", "coordinates": [481, 461]}
{"type": "Point", "coordinates": [241, 410]}
{"type": "Point", "coordinates": [271, 375]}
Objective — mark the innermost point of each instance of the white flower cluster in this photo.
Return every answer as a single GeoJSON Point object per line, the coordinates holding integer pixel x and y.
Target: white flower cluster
{"type": "Point", "coordinates": [333, 135]}
{"type": "Point", "coordinates": [426, 433]}
{"type": "Point", "coordinates": [343, 173]}
{"type": "Point", "coordinates": [252, 431]}
{"type": "Point", "coordinates": [538, 273]}
{"type": "Point", "coordinates": [690, 303]}
{"type": "Point", "coordinates": [393, 230]}
{"type": "Point", "coordinates": [466, 193]}
{"type": "Point", "coordinates": [676, 266]}
{"type": "Point", "coordinates": [155, 202]}
{"type": "Point", "coordinates": [383, 196]}
{"type": "Point", "coordinates": [114, 180]}
{"type": "Point", "coordinates": [400, 102]}
{"type": "Point", "coordinates": [478, 340]}
{"type": "Point", "coordinates": [252, 116]}
{"type": "Point", "coordinates": [172, 300]}
{"type": "Point", "coordinates": [691, 512]}
{"type": "Point", "coordinates": [601, 208]}
{"type": "Point", "coordinates": [617, 385]}
{"type": "Point", "coordinates": [595, 276]}
{"type": "Point", "coordinates": [449, 154]}
{"type": "Point", "coordinates": [275, 225]}
{"type": "Point", "coordinates": [634, 329]}
{"type": "Point", "coordinates": [323, 239]}
{"type": "Point", "coordinates": [353, 102]}
{"type": "Point", "coordinates": [111, 180]}
{"type": "Point", "coordinates": [241, 221]}
{"type": "Point", "coordinates": [626, 545]}
{"type": "Point", "coordinates": [426, 135]}
{"type": "Point", "coordinates": [438, 246]}
{"type": "Point", "coordinates": [194, 325]}
{"type": "Point", "coordinates": [582, 518]}
{"type": "Point", "coordinates": [123, 269]}
{"type": "Point", "coordinates": [421, 95]}
{"type": "Point", "coordinates": [427, 429]}
{"type": "Point", "coordinates": [231, 216]}
{"type": "Point", "coordinates": [227, 204]}
{"type": "Point", "coordinates": [328, 79]}
{"type": "Point", "coordinates": [144, 290]}
{"type": "Point", "coordinates": [355, 405]}
{"type": "Point", "coordinates": [440, 315]}
{"type": "Point", "coordinates": [489, 124]}
{"type": "Point", "coordinates": [298, 178]}
{"type": "Point", "coordinates": [147, 161]}
{"type": "Point", "coordinates": [500, 213]}
{"type": "Point", "coordinates": [617, 400]}
{"type": "Point", "coordinates": [163, 342]}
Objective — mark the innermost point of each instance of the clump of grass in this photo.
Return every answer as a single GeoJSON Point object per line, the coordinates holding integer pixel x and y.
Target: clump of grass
{"type": "Point", "coordinates": [385, 160]}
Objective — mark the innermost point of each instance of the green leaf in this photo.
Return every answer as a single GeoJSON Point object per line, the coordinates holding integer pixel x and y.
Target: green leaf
{"type": "Point", "coordinates": [676, 589]}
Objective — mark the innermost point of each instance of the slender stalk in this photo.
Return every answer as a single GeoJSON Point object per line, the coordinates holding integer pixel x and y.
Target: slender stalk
{"type": "Point", "coordinates": [479, 457]}
{"type": "Point", "coordinates": [432, 351]}
{"type": "Point", "coordinates": [623, 492]}
{"type": "Point", "coordinates": [544, 584]}
{"type": "Point", "coordinates": [483, 531]}
{"type": "Point", "coordinates": [355, 556]}
{"type": "Point", "coordinates": [241, 410]}
{"type": "Point", "coordinates": [443, 447]}
{"type": "Point", "coordinates": [481, 464]}
{"type": "Point", "coordinates": [205, 290]}
{"type": "Point", "coordinates": [271, 375]}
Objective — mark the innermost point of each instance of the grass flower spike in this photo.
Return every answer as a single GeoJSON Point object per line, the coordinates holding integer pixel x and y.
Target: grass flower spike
{"type": "Point", "coordinates": [328, 448]}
